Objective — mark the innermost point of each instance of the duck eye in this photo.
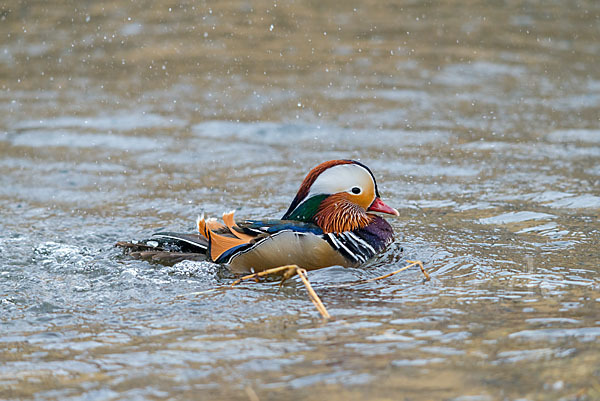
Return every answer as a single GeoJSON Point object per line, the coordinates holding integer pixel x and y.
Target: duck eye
{"type": "Point", "coordinates": [356, 190]}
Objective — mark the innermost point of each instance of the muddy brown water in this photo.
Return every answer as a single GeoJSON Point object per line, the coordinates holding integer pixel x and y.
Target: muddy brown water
{"type": "Point", "coordinates": [480, 120]}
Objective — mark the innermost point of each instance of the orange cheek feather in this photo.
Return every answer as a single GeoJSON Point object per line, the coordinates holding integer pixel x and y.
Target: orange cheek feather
{"type": "Point", "coordinates": [365, 199]}
{"type": "Point", "coordinates": [338, 213]}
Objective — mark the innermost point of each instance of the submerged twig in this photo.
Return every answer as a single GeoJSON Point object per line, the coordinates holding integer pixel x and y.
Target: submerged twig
{"type": "Point", "coordinates": [196, 293]}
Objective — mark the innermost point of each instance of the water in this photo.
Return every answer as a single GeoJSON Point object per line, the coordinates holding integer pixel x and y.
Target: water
{"type": "Point", "coordinates": [480, 122]}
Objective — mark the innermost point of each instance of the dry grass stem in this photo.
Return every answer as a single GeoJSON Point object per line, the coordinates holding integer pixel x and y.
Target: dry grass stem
{"type": "Point", "coordinates": [411, 264]}
{"type": "Point", "coordinates": [290, 270]}
{"type": "Point", "coordinates": [268, 272]}
{"type": "Point", "coordinates": [312, 294]}
{"type": "Point", "coordinates": [252, 396]}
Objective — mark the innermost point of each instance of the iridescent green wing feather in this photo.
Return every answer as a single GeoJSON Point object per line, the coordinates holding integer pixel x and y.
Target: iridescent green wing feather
{"type": "Point", "coordinates": [306, 210]}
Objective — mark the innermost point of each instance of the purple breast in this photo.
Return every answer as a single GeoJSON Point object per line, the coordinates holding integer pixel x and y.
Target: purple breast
{"type": "Point", "coordinates": [379, 234]}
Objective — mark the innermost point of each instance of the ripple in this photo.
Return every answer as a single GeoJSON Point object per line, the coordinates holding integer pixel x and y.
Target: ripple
{"type": "Point", "coordinates": [583, 334]}
{"type": "Point", "coordinates": [273, 133]}
{"type": "Point", "coordinates": [44, 138]}
{"type": "Point", "coordinates": [586, 201]}
{"type": "Point", "coordinates": [347, 377]}
{"type": "Point", "coordinates": [115, 122]}
{"type": "Point", "coordinates": [575, 135]}
{"type": "Point", "coordinates": [515, 217]}
{"type": "Point", "coordinates": [416, 362]}
{"type": "Point", "coordinates": [544, 228]}
{"type": "Point", "coordinates": [551, 320]}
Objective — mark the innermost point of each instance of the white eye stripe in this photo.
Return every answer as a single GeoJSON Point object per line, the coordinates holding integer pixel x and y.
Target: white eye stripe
{"type": "Point", "coordinates": [342, 178]}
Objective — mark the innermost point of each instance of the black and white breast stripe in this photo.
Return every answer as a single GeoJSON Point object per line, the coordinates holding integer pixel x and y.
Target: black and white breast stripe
{"type": "Point", "coordinates": [351, 246]}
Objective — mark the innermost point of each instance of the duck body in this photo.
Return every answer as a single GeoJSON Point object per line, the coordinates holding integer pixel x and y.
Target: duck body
{"type": "Point", "coordinates": [285, 242]}
{"type": "Point", "coordinates": [330, 222]}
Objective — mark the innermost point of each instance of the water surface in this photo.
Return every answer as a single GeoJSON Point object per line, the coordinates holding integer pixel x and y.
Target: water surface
{"type": "Point", "coordinates": [479, 120]}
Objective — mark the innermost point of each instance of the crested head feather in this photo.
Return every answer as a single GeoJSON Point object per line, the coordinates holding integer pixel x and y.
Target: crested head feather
{"type": "Point", "coordinates": [309, 180]}
{"type": "Point", "coordinates": [332, 177]}
{"type": "Point", "coordinates": [336, 195]}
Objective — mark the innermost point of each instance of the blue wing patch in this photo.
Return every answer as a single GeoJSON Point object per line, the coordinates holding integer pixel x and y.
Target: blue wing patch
{"type": "Point", "coordinates": [274, 226]}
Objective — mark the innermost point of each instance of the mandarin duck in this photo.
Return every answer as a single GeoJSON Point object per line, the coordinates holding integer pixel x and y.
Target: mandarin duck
{"type": "Point", "coordinates": [329, 222]}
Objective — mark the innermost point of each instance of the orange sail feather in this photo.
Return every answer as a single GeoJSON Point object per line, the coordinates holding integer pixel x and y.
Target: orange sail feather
{"type": "Point", "coordinates": [217, 243]}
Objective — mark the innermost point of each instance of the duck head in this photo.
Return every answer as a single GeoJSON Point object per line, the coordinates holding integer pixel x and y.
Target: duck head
{"type": "Point", "coordinates": [336, 195]}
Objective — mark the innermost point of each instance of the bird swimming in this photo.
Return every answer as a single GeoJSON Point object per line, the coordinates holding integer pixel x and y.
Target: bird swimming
{"type": "Point", "coordinates": [330, 221]}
